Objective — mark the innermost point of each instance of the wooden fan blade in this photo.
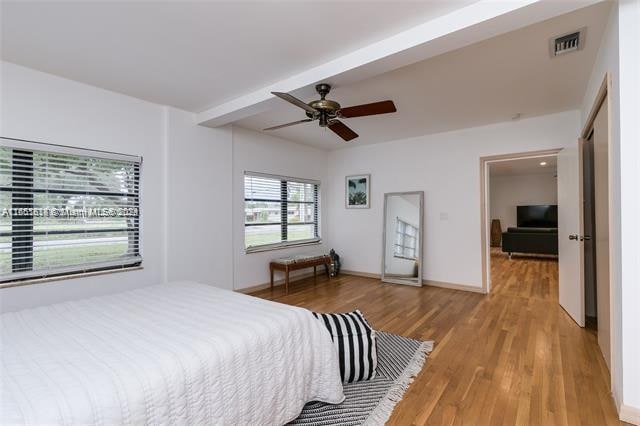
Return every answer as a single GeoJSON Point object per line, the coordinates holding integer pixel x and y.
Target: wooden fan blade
{"type": "Point", "coordinates": [306, 120]}
{"type": "Point", "coordinates": [295, 101]}
{"type": "Point", "coordinates": [383, 107]}
{"type": "Point", "coordinates": [341, 129]}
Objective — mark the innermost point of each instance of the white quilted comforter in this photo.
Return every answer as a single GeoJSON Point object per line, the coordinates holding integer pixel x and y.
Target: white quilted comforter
{"type": "Point", "coordinates": [181, 353]}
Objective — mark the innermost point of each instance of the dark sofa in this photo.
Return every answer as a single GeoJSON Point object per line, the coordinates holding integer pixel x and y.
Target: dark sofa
{"type": "Point", "coordinates": [530, 241]}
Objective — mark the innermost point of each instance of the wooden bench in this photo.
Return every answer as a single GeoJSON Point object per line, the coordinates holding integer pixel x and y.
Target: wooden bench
{"type": "Point", "coordinates": [293, 263]}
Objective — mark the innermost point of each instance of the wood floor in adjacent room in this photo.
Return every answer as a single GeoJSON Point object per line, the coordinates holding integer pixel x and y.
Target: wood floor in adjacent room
{"type": "Point", "coordinates": [511, 357]}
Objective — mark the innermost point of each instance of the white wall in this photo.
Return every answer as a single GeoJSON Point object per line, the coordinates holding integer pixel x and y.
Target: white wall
{"type": "Point", "coordinates": [41, 107]}
{"type": "Point", "coordinates": [508, 192]}
{"type": "Point", "coordinates": [629, 161]}
{"type": "Point", "coordinates": [256, 152]}
{"type": "Point", "coordinates": [199, 197]}
{"type": "Point", "coordinates": [446, 167]}
{"type": "Point", "coordinates": [177, 154]}
{"type": "Point", "coordinates": [191, 175]}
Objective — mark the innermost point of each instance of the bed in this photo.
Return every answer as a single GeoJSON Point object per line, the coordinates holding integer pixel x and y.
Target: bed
{"type": "Point", "coordinates": [179, 353]}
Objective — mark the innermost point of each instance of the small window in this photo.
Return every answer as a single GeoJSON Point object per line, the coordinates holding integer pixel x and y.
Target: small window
{"type": "Point", "coordinates": [66, 210]}
{"type": "Point", "coordinates": [279, 211]}
{"type": "Point", "coordinates": [406, 240]}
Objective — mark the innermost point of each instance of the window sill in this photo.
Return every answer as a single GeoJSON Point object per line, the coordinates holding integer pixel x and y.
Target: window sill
{"type": "Point", "coordinates": [260, 249]}
{"type": "Point", "coordinates": [405, 258]}
{"type": "Point", "coordinates": [45, 280]}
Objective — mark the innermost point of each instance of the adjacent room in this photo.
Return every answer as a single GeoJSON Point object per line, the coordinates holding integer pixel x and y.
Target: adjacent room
{"type": "Point", "coordinates": [523, 207]}
{"type": "Point", "coordinates": [319, 213]}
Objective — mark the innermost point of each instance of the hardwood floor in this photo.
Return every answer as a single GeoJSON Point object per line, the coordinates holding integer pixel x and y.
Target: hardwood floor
{"type": "Point", "coordinates": [511, 357]}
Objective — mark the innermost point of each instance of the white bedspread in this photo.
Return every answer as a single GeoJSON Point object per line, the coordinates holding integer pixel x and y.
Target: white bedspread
{"type": "Point", "coordinates": [181, 353]}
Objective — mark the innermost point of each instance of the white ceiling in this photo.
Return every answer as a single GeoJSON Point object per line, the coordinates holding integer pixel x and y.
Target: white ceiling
{"type": "Point", "coordinates": [525, 166]}
{"type": "Point", "coordinates": [487, 82]}
{"type": "Point", "coordinates": [193, 55]}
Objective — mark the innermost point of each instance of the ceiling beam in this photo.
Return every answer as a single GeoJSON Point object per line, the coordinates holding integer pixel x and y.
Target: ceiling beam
{"type": "Point", "coordinates": [476, 22]}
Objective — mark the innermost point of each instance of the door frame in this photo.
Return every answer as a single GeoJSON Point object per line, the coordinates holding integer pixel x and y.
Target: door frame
{"type": "Point", "coordinates": [601, 96]}
{"type": "Point", "coordinates": [484, 204]}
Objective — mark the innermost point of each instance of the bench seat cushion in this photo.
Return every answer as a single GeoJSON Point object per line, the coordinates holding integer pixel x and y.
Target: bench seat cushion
{"type": "Point", "coordinates": [299, 258]}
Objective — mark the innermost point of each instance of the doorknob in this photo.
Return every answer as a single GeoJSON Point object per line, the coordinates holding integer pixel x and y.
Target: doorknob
{"type": "Point", "coordinates": [573, 237]}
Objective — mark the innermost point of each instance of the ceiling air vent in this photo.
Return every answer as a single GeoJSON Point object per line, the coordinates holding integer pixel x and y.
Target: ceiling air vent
{"type": "Point", "coordinates": [567, 43]}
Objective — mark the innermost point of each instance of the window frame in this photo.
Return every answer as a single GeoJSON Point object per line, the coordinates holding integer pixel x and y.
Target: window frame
{"type": "Point", "coordinates": [21, 275]}
{"type": "Point", "coordinates": [284, 203]}
{"type": "Point", "coordinates": [404, 234]}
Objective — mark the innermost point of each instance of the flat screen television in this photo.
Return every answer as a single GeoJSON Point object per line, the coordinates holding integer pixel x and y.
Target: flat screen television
{"type": "Point", "coordinates": [545, 216]}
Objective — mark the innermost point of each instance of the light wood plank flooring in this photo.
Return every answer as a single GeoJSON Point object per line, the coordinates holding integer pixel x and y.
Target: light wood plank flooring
{"type": "Point", "coordinates": [511, 357]}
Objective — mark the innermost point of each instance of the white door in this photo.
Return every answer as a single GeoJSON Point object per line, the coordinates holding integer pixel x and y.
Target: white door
{"type": "Point", "coordinates": [571, 291]}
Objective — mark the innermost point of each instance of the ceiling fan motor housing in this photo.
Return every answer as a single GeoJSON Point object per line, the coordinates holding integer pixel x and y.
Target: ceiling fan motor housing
{"type": "Point", "coordinates": [327, 108]}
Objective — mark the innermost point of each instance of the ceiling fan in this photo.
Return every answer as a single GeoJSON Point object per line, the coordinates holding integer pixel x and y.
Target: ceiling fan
{"type": "Point", "coordinates": [327, 112]}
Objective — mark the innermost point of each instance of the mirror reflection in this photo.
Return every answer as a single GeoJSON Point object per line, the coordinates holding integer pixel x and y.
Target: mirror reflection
{"type": "Point", "coordinates": [402, 251]}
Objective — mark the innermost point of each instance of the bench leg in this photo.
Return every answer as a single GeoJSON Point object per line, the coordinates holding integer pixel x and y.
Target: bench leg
{"type": "Point", "coordinates": [271, 269]}
{"type": "Point", "coordinates": [286, 281]}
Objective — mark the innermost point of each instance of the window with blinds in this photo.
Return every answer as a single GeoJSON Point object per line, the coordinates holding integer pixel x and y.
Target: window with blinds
{"type": "Point", "coordinates": [66, 210]}
{"type": "Point", "coordinates": [406, 240]}
{"type": "Point", "coordinates": [279, 211]}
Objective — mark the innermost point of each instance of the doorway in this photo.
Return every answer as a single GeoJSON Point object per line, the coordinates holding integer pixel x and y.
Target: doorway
{"type": "Point", "coordinates": [589, 224]}
{"type": "Point", "coordinates": [594, 147]}
{"type": "Point", "coordinates": [523, 211]}
{"type": "Point", "coordinates": [518, 209]}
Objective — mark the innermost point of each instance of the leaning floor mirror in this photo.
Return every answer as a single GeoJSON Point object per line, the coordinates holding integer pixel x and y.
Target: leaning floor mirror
{"type": "Point", "coordinates": [402, 238]}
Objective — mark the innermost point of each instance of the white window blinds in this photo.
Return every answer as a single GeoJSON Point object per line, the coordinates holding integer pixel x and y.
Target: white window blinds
{"type": "Point", "coordinates": [406, 238]}
{"type": "Point", "coordinates": [280, 211]}
{"type": "Point", "coordinates": [65, 210]}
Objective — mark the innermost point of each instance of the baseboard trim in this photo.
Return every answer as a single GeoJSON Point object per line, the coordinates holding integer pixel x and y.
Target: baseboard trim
{"type": "Point", "coordinates": [276, 283]}
{"type": "Point", "coordinates": [452, 286]}
{"type": "Point", "coordinates": [431, 283]}
{"type": "Point", "coordinates": [629, 414]}
{"type": "Point", "coordinates": [360, 274]}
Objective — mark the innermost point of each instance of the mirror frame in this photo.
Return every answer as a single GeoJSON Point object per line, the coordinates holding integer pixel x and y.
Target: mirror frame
{"type": "Point", "coordinates": [407, 281]}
